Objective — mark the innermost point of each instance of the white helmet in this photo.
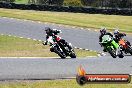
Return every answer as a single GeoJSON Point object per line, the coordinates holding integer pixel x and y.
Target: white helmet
{"type": "Point", "coordinates": [116, 31]}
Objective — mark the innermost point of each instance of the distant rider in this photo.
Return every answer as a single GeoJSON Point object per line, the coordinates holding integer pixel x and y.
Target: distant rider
{"type": "Point", "coordinates": [102, 33]}
{"type": "Point", "coordinates": [118, 36]}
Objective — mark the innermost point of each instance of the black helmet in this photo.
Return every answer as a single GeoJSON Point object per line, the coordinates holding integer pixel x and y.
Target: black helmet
{"type": "Point", "coordinates": [48, 30]}
{"type": "Point", "coordinates": [103, 31]}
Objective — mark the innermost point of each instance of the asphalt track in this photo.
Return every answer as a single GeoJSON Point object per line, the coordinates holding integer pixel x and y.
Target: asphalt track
{"type": "Point", "coordinates": [57, 68]}
{"type": "Point", "coordinates": [39, 69]}
{"type": "Point", "coordinates": [28, 29]}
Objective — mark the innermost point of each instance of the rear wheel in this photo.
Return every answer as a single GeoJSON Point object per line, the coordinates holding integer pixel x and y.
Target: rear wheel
{"type": "Point", "coordinates": [129, 50]}
{"type": "Point", "coordinates": [112, 53]}
{"type": "Point", "coordinates": [73, 55]}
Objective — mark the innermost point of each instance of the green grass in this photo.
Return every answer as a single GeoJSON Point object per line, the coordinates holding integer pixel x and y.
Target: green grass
{"type": "Point", "coordinates": [21, 1]}
{"type": "Point", "coordinates": [77, 19]}
{"type": "Point", "coordinates": [59, 84]}
{"type": "Point", "coordinates": [21, 47]}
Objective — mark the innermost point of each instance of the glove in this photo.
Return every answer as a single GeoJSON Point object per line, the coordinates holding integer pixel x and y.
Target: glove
{"type": "Point", "coordinates": [44, 43]}
{"type": "Point", "coordinates": [104, 50]}
{"type": "Point", "coordinates": [101, 44]}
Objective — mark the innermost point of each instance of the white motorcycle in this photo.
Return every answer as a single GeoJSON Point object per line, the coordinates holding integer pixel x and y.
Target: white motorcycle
{"type": "Point", "coordinates": [59, 48]}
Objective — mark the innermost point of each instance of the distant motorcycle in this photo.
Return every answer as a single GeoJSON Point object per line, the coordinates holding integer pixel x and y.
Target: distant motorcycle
{"type": "Point", "coordinates": [125, 46]}
{"type": "Point", "coordinates": [111, 46]}
{"type": "Point", "coordinates": [59, 48]}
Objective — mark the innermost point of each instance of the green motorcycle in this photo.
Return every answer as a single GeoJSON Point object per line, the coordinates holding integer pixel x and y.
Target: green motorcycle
{"type": "Point", "coordinates": [111, 46]}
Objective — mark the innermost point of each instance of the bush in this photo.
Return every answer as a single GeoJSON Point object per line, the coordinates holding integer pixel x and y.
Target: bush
{"type": "Point", "coordinates": [72, 3]}
{"type": "Point", "coordinates": [50, 2]}
{"type": "Point", "coordinates": [7, 0]}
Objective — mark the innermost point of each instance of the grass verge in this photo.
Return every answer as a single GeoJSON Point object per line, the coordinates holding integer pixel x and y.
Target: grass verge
{"type": "Point", "coordinates": [59, 84]}
{"type": "Point", "coordinates": [76, 19]}
{"type": "Point", "coordinates": [21, 47]}
{"type": "Point", "coordinates": [21, 1]}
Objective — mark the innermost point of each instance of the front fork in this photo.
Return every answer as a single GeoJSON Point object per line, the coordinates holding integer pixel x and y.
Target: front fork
{"type": "Point", "coordinates": [116, 47]}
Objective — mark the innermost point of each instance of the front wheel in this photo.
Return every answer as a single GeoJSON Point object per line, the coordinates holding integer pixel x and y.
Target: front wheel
{"type": "Point", "coordinates": [121, 55]}
{"type": "Point", "coordinates": [62, 55]}
{"type": "Point", "coordinates": [112, 53]}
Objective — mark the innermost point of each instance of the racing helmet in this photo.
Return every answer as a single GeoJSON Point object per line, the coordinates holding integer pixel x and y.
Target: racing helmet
{"type": "Point", "coordinates": [48, 30]}
{"type": "Point", "coordinates": [116, 31]}
{"type": "Point", "coordinates": [103, 30]}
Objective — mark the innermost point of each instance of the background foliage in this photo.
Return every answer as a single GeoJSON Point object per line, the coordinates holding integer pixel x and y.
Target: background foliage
{"type": "Point", "coordinates": [91, 3]}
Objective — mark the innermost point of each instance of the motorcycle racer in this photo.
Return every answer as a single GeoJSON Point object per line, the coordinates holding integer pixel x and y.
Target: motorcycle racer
{"type": "Point", "coordinates": [118, 36]}
{"type": "Point", "coordinates": [58, 45]}
{"type": "Point", "coordinates": [107, 41]}
{"type": "Point", "coordinates": [53, 33]}
{"type": "Point", "coordinates": [102, 33]}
